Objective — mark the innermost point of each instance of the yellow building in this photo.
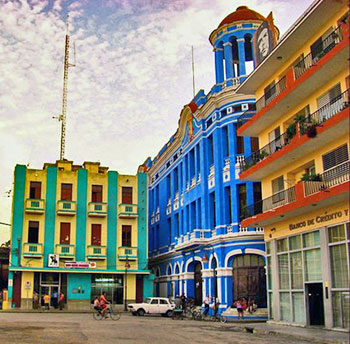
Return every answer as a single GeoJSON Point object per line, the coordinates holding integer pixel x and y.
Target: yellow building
{"type": "Point", "coordinates": [81, 230]}
{"type": "Point", "coordinates": [302, 122]}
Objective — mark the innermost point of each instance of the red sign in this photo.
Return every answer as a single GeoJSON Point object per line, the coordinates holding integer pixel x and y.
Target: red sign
{"type": "Point", "coordinates": [80, 265]}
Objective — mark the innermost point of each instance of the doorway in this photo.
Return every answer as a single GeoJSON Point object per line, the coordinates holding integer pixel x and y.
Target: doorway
{"type": "Point", "coordinates": [198, 284]}
{"type": "Point", "coordinates": [16, 294]}
{"type": "Point", "coordinates": [314, 294]}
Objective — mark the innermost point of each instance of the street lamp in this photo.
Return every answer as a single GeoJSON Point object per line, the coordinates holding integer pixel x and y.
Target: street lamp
{"type": "Point", "coordinates": [127, 266]}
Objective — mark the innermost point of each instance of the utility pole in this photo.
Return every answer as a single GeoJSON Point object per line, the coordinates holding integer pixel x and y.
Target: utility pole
{"type": "Point", "coordinates": [62, 117]}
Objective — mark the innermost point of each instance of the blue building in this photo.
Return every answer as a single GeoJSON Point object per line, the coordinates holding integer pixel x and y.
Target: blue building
{"type": "Point", "coordinates": [196, 244]}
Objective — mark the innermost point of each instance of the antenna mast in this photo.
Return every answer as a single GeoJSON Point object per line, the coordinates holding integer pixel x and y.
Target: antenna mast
{"type": "Point", "coordinates": [194, 89]}
{"type": "Point", "coordinates": [62, 117]}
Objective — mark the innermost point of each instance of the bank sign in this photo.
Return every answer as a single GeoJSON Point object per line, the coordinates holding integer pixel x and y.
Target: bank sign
{"type": "Point", "coordinates": [319, 219]}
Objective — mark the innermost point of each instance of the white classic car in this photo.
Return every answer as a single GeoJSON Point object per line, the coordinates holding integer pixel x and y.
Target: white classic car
{"type": "Point", "coordinates": [153, 305]}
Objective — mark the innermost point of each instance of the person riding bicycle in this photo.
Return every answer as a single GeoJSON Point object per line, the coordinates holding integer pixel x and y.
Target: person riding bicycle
{"type": "Point", "coordinates": [104, 303]}
{"type": "Point", "coordinates": [97, 305]}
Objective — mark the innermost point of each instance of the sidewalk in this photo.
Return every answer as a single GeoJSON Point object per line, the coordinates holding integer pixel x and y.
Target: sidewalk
{"type": "Point", "coordinates": [316, 335]}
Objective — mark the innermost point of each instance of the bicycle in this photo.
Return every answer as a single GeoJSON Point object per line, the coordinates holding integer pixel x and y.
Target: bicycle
{"type": "Point", "coordinates": [110, 313]}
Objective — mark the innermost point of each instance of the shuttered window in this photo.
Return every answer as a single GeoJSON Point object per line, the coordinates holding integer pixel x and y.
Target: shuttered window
{"type": "Point", "coordinates": [126, 236]}
{"type": "Point", "coordinates": [65, 233]}
{"type": "Point", "coordinates": [335, 157]}
{"type": "Point", "coordinates": [240, 145]}
{"type": "Point", "coordinates": [126, 194]}
{"type": "Point", "coordinates": [35, 190]}
{"type": "Point", "coordinates": [96, 234]}
{"type": "Point", "coordinates": [254, 143]}
{"type": "Point", "coordinates": [66, 192]}
{"type": "Point", "coordinates": [96, 195]}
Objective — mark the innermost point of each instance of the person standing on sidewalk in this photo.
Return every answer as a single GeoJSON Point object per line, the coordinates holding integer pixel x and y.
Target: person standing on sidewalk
{"type": "Point", "coordinates": [47, 301]}
{"type": "Point", "coordinates": [61, 300]}
{"type": "Point", "coordinates": [55, 299]}
{"type": "Point", "coordinates": [206, 305]}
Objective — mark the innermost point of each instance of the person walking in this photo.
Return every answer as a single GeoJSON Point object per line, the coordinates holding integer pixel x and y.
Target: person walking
{"type": "Point", "coordinates": [35, 300]}
{"type": "Point", "coordinates": [239, 306]}
{"type": "Point", "coordinates": [61, 300]}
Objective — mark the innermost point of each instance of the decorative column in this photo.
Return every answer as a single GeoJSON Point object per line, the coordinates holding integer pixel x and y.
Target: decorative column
{"type": "Point", "coordinates": [224, 276]}
{"type": "Point", "coordinates": [219, 71]}
{"type": "Point", "coordinates": [241, 55]}
{"type": "Point", "coordinates": [207, 277]}
{"type": "Point", "coordinates": [228, 63]}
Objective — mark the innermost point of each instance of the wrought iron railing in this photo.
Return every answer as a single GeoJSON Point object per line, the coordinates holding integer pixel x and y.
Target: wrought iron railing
{"type": "Point", "coordinates": [336, 175]}
{"type": "Point", "coordinates": [326, 112]}
{"type": "Point", "coordinates": [276, 200]}
{"type": "Point", "coordinates": [271, 94]}
{"type": "Point", "coordinates": [324, 47]}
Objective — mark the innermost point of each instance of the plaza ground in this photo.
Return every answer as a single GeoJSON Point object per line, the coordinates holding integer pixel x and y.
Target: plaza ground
{"type": "Point", "coordinates": [82, 328]}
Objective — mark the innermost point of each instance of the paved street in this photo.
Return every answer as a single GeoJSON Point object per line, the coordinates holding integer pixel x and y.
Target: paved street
{"type": "Point", "coordinates": [82, 328]}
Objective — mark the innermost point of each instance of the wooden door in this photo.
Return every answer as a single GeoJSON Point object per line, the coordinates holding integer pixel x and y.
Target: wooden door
{"type": "Point", "coordinates": [65, 233]}
{"type": "Point", "coordinates": [96, 234]}
{"type": "Point", "coordinates": [198, 284]}
{"type": "Point", "coordinates": [16, 294]}
{"type": "Point", "coordinates": [139, 288]}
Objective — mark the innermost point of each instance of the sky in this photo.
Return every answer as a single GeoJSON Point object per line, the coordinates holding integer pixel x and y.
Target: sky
{"type": "Point", "coordinates": [133, 76]}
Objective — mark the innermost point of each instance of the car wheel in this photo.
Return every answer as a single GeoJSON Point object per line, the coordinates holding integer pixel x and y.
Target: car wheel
{"type": "Point", "coordinates": [169, 313]}
{"type": "Point", "coordinates": [141, 312]}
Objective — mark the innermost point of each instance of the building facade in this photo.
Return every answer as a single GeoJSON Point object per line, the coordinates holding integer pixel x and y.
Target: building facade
{"type": "Point", "coordinates": [302, 121]}
{"type": "Point", "coordinates": [196, 245]}
{"type": "Point", "coordinates": [81, 230]}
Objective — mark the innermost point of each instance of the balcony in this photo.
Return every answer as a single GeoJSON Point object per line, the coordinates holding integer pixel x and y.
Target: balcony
{"type": "Point", "coordinates": [32, 250]}
{"type": "Point", "coordinates": [226, 170]}
{"type": "Point", "coordinates": [197, 237]}
{"type": "Point", "coordinates": [129, 253]}
{"type": "Point", "coordinates": [299, 82]}
{"type": "Point", "coordinates": [96, 252]}
{"type": "Point", "coordinates": [157, 217]}
{"type": "Point", "coordinates": [66, 208]}
{"type": "Point", "coordinates": [211, 177]}
{"type": "Point", "coordinates": [97, 209]}
{"type": "Point", "coordinates": [34, 206]}
{"type": "Point", "coordinates": [65, 251]}
{"type": "Point", "coordinates": [193, 182]}
{"type": "Point", "coordinates": [127, 210]}
{"type": "Point", "coordinates": [330, 122]}
{"type": "Point", "coordinates": [168, 207]}
{"type": "Point", "coordinates": [301, 198]}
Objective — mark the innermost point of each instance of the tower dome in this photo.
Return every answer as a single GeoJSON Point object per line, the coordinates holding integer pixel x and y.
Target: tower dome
{"type": "Point", "coordinates": [242, 13]}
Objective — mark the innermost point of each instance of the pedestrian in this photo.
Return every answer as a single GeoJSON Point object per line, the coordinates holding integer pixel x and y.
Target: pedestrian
{"type": "Point", "coordinates": [251, 305]}
{"type": "Point", "coordinates": [35, 300]}
{"type": "Point", "coordinates": [55, 299]}
{"type": "Point", "coordinates": [239, 308]}
{"type": "Point", "coordinates": [61, 300]}
{"type": "Point", "coordinates": [183, 302]}
{"type": "Point", "coordinates": [47, 301]}
{"type": "Point", "coordinates": [206, 305]}
{"type": "Point", "coordinates": [177, 302]}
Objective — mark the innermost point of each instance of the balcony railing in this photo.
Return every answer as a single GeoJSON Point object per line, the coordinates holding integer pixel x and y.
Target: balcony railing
{"type": "Point", "coordinates": [271, 94]}
{"type": "Point", "coordinates": [326, 112]}
{"type": "Point", "coordinates": [66, 207]}
{"type": "Point", "coordinates": [96, 252]}
{"type": "Point", "coordinates": [127, 210]}
{"type": "Point", "coordinates": [276, 200]}
{"type": "Point", "coordinates": [36, 206]}
{"type": "Point", "coordinates": [247, 115]}
{"type": "Point", "coordinates": [318, 117]}
{"type": "Point", "coordinates": [65, 250]}
{"type": "Point", "coordinates": [324, 47]}
{"type": "Point", "coordinates": [168, 207]}
{"type": "Point", "coordinates": [126, 252]}
{"type": "Point", "coordinates": [336, 175]}
{"type": "Point", "coordinates": [98, 209]}
{"type": "Point", "coordinates": [32, 250]}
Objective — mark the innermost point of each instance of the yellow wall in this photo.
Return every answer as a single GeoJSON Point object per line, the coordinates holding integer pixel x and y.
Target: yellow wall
{"type": "Point", "coordinates": [27, 277]}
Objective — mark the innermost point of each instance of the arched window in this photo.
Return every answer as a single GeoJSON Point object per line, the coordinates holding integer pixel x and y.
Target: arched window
{"type": "Point", "coordinates": [248, 49]}
{"type": "Point", "coordinates": [235, 56]}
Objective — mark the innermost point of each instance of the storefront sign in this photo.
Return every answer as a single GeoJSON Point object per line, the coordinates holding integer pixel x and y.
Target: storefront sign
{"type": "Point", "coordinates": [54, 260]}
{"type": "Point", "coordinates": [319, 219]}
{"type": "Point", "coordinates": [80, 265]}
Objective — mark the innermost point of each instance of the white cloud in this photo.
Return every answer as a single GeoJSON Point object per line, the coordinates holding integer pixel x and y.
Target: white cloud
{"type": "Point", "coordinates": [132, 78]}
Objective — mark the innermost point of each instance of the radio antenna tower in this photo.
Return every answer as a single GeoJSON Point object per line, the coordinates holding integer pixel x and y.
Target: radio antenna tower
{"type": "Point", "coordinates": [62, 117]}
